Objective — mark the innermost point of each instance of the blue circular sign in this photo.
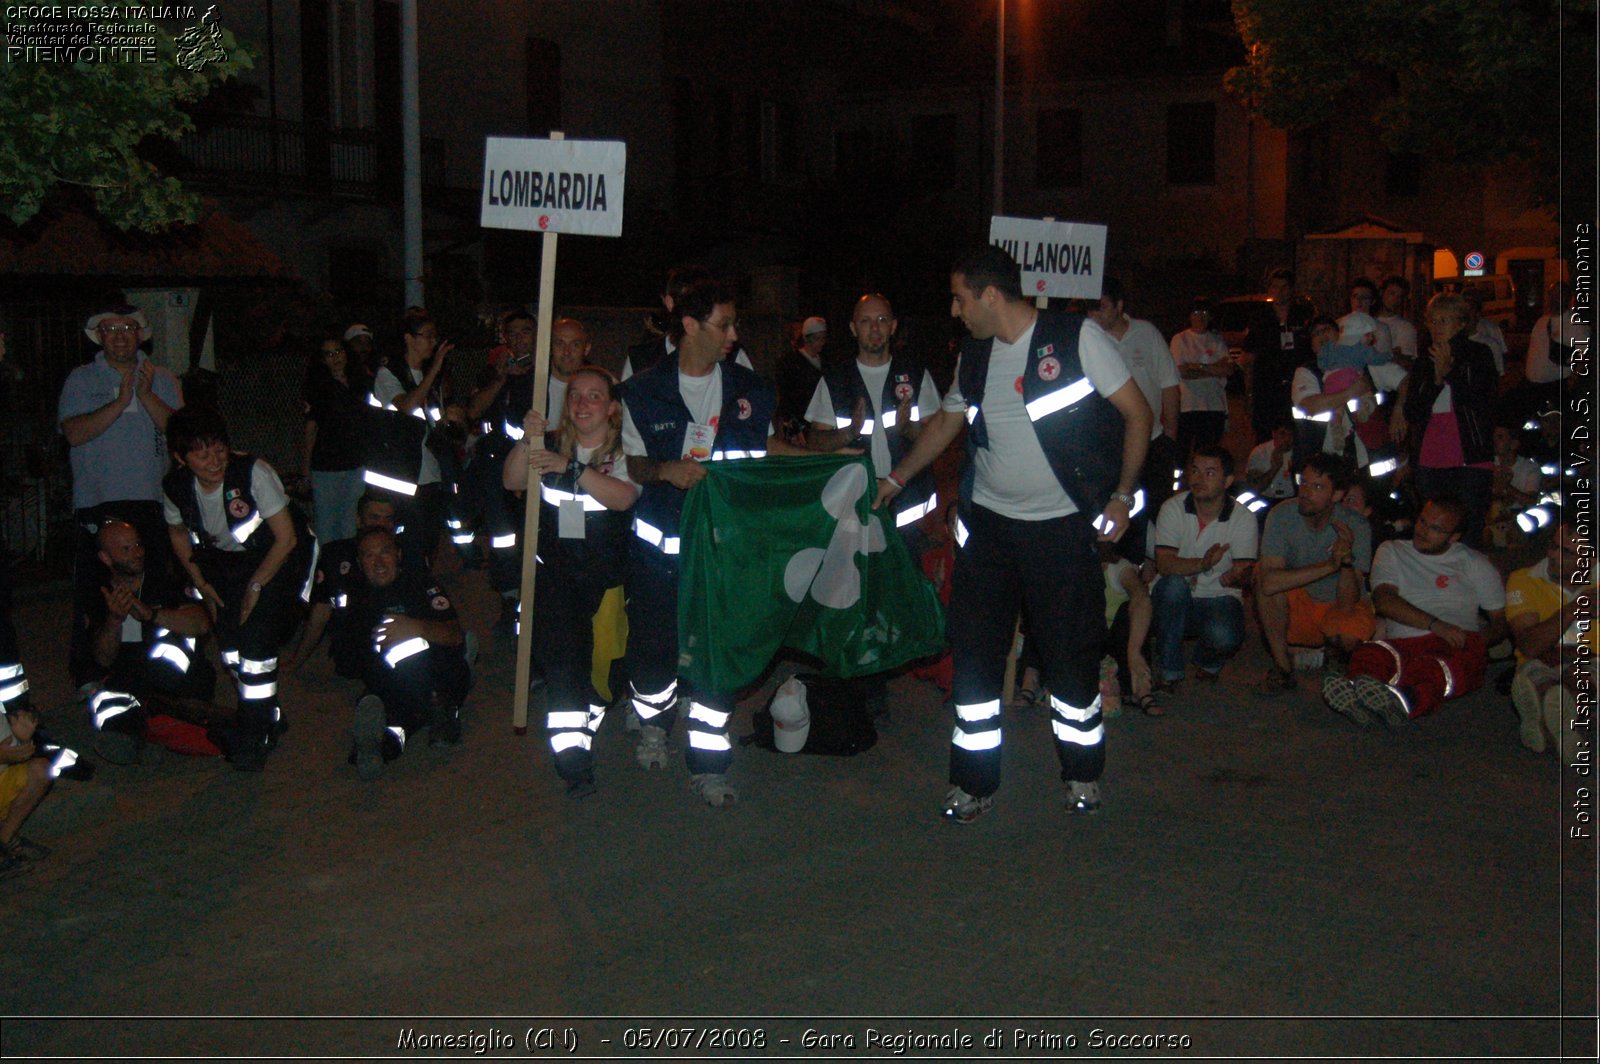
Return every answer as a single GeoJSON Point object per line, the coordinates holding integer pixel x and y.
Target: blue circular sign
{"type": "Point", "coordinates": [1474, 260]}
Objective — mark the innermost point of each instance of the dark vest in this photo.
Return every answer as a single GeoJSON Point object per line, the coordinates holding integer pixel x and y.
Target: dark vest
{"type": "Point", "coordinates": [602, 550]}
{"type": "Point", "coordinates": [845, 386]}
{"type": "Point", "coordinates": [393, 451]}
{"type": "Point", "coordinates": [659, 413]}
{"type": "Point", "coordinates": [1078, 428]}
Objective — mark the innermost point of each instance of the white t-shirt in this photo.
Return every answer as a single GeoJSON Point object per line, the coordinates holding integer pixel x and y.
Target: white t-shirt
{"type": "Point", "coordinates": [926, 402]}
{"type": "Point", "coordinates": [1282, 484]}
{"type": "Point", "coordinates": [1012, 476]}
{"type": "Point", "coordinates": [386, 388]}
{"type": "Point", "coordinates": [1178, 527]}
{"type": "Point", "coordinates": [1402, 334]}
{"type": "Point", "coordinates": [1149, 362]}
{"type": "Point", "coordinates": [555, 401]}
{"type": "Point", "coordinates": [1306, 386]}
{"type": "Point", "coordinates": [703, 397]}
{"type": "Point", "coordinates": [1200, 394]}
{"type": "Point", "coordinates": [1493, 337]}
{"type": "Point", "coordinates": [1451, 586]}
{"type": "Point", "coordinates": [264, 485]}
{"type": "Point", "coordinates": [617, 468]}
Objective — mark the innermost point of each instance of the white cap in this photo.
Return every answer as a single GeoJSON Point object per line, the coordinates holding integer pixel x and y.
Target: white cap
{"type": "Point", "coordinates": [791, 721]}
{"type": "Point", "coordinates": [812, 326]}
{"type": "Point", "coordinates": [357, 330]}
{"type": "Point", "coordinates": [1353, 327]}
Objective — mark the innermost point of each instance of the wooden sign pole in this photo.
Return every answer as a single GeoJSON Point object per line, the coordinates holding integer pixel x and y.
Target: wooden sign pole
{"type": "Point", "coordinates": [530, 522]}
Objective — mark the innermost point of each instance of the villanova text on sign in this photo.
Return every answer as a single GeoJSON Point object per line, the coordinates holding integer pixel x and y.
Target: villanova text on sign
{"type": "Point", "coordinates": [552, 189]}
{"type": "Point", "coordinates": [1049, 257]}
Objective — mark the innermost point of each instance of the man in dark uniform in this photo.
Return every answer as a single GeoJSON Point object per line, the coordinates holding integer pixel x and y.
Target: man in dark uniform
{"type": "Point", "coordinates": [1058, 434]}
{"type": "Point", "coordinates": [250, 554]}
{"type": "Point", "coordinates": [414, 656]}
{"type": "Point", "coordinates": [334, 592]}
{"type": "Point", "coordinates": [144, 644]}
{"type": "Point", "coordinates": [1277, 344]}
{"type": "Point", "coordinates": [682, 412]}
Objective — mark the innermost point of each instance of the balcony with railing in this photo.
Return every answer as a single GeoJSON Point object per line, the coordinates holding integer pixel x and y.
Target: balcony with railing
{"type": "Point", "coordinates": [248, 152]}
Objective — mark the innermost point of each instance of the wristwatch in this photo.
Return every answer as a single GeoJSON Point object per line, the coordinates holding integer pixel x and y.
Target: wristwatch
{"type": "Point", "coordinates": [1125, 499]}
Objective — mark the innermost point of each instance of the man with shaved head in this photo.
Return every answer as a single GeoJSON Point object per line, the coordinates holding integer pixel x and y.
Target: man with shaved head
{"type": "Point", "coordinates": [878, 402]}
{"type": "Point", "coordinates": [142, 636]}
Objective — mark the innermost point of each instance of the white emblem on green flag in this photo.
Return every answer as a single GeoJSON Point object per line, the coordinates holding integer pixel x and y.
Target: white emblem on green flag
{"type": "Point", "coordinates": [786, 552]}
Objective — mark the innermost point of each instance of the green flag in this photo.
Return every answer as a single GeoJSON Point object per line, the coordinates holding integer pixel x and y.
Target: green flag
{"type": "Point", "coordinates": [787, 552]}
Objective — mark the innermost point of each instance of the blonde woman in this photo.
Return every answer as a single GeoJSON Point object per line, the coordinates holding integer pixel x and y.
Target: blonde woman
{"type": "Point", "coordinates": [584, 488]}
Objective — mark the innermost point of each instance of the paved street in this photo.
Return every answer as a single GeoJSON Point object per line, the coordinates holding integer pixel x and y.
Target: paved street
{"type": "Point", "coordinates": [1265, 879]}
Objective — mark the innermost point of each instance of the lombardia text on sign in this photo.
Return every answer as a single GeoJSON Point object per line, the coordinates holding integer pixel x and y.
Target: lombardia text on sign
{"type": "Point", "coordinates": [552, 189]}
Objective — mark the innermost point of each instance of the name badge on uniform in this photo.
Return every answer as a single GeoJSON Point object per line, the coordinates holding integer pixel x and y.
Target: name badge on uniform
{"type": "Point", "coordinates": [569, 519]}
{"type": "Point", "coordinates": [697, 441]}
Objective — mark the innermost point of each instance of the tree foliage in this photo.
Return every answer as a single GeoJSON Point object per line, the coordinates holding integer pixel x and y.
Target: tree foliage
{"type": "Point", "coordinates": [1479, 79]}
{"type": "Point", "coordinates": [82, 125]}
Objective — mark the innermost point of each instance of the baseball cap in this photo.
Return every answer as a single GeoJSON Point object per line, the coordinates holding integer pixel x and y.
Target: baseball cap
{"type": "Point", "coordinates": [357, 330]}
{"type": "Point", "coordinates": [812, 326]}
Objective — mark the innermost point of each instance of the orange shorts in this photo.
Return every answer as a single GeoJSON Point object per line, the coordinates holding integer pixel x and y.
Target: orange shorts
{"type": "Point", "coordinates": [13, 778]}
{"type": "Point", "coordinates": [1313, 623]}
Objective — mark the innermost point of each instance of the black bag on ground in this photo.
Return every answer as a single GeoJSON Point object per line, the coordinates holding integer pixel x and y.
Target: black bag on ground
{"type": "Point", "coordinates": [840, 723]}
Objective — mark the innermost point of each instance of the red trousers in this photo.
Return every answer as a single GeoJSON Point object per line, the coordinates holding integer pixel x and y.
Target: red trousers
{"type": "Point", "coordinates": [1424, 669]}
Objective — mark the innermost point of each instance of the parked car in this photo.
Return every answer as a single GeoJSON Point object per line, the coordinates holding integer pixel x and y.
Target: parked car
{"type": "Point", "coordinates": [1499, 294]}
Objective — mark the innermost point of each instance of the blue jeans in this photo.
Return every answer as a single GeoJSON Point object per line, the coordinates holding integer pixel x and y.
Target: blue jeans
{"type": "Point", "coordinates": [334, 494]}
{"type": "Point", "coordinates": [1218, 623]}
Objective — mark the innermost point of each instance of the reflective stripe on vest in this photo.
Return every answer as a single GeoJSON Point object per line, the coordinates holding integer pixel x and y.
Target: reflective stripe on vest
{"type": "Point", "coordinates": [912, 514]}
{"type": "Point", "coordinates": [555, 497]}
{"type": "Point", "coordinates": [1060, 399]}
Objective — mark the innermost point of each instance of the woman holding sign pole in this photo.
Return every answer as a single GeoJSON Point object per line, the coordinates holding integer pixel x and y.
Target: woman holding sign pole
{"type": "Point", "coordinates": [585, 491]}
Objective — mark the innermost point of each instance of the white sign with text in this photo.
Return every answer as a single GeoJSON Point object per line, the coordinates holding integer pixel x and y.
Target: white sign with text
{"type": "Point", "coordinates": [553, 186]}
{"type": "Point", "coordinates": [1064, 260]}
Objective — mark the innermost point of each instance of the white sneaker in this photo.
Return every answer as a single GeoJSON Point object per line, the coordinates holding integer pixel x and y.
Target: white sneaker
{"type": "Point", "coordinates": [652, 749]}
{"type": "Point", "coordinates": [713, 787]}
{"type": "Point", "coordinates": [963, 808]}
{"type": "Point", "coordinates": [1083, 797]}
{"type": "Point", "coordinates": [1525, 697]}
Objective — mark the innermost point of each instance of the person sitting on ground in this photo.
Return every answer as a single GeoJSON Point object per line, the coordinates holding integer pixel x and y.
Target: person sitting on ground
{"type": "Point", "coordinates": [1269, 470]}
{"type": "Point", "coordinates": [1555, 657]}
{"type": "Point", "coordinates": [249, 553]}
{"type": "Point", "coordinates": [585, 493]}
{"type": "Point", "coordinates": [1516, 481]}
{"type": "Point", "coordinates": [155, 683]}
{"type": "Point", "coordinates": [1128, 616]}
{"type": "Point", "coordinates": [334, 590]}
{"type": "Point", "coordinates": [1430, 593]}
{"type": "Point", "coordinates": [1205, 545]}
{"type": "Point", "coordinates": [415, 658]}
{"type": "Point", "coordinates": [25, 779]}
{"type": "Point", "coordinates": [1314, 554]}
